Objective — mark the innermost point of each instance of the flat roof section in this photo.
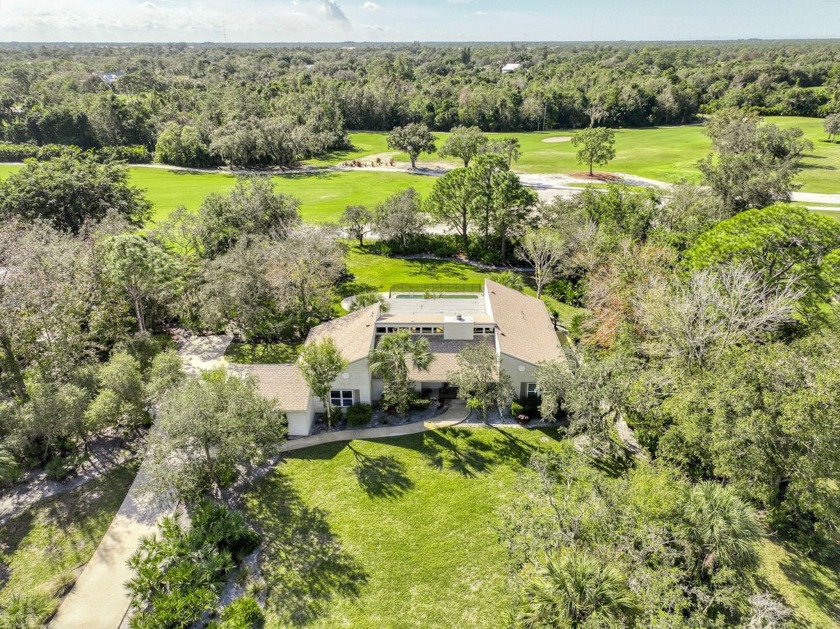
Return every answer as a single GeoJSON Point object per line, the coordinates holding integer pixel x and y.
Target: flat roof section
{"type": "Point", "coordinates": [404, 308]}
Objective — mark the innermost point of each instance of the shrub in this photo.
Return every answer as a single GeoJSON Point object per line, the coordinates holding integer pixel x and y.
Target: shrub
{"type": "Point", "coordinates": [179, 573]}
{"type": "Point", "coordinates": [359, 415]}
{"type": "Point", "coordinates": [225, 529]}
{"type": "Point", "coordinates": [243, 613]}
{"type": "Point", "coordinates": [529, 406]}
{"type": "Point", "coordinates": [516, 409]}
{"type": "Point", "coordinates": [20, 152]}
{"type": "Point", "coordinates": [421, 404]}
{"type": "Point", "coordinates": [26, 611]}
{"type": "Point", "coordinates": [57, 469]}
{"type": "Point", "coordinates": [9, 467]}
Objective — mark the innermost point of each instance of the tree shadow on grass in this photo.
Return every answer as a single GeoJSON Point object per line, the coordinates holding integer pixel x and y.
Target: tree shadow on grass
{"type": "Point", "coordinates": [439, 269]}
{"type": "Point", "coordinates": [803, 572]}
{"type": "Point", "coordinates": [302, 560]}
{"type": "Point", "coordinates": [455, 450]}
{"type": "Point", "coordinates": [381, 476]}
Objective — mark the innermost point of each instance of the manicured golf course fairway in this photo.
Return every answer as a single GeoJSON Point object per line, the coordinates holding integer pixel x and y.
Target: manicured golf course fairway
{"type": "Point", "coordinates": [665, 153]}
{"type": "Point", "coordinates": [662, 153]}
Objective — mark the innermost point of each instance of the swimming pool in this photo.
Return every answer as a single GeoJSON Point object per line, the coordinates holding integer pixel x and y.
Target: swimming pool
{"type": "Point", "coordinates": [436, 297]}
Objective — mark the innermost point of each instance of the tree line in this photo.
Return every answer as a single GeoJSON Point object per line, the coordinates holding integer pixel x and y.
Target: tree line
{"type": "Point", "coordinates": [209, 105]}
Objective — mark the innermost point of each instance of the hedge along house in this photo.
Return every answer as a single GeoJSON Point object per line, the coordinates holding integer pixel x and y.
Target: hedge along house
{"type": "Point", "coordinates": [517, 326]}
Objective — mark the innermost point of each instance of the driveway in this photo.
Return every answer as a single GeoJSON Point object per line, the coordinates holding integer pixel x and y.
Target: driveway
{"type": "Point", "coordinates": [99, 599]}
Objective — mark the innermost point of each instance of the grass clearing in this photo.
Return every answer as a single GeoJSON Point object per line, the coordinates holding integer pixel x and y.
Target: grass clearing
{"type": "Point", "coordinates": [262, 353]}
{"type": "Point", "coordinates": [811, 588]}
{"type": "Point", "coordinates": [40, 548]}
{"type": "Point", "coordinates": [362, 533]}
{"type": "Point", "coordinates": [364, 143]}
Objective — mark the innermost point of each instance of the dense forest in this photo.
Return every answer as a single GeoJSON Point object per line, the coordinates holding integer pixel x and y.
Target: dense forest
{"type": "Point", "coordinates": [250, 105]}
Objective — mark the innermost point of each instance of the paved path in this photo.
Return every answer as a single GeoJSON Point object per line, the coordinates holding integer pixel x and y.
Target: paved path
{"type": "Point", "coordinates": [99, 599]}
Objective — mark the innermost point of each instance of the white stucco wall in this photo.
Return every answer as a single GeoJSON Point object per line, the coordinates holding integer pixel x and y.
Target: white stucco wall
{"type": "Point", "coordinates": [511, 365]}
{"type": "Point", "coordinates": [358, 380]}
{"type": "Point", "coordinates": [300, 422]}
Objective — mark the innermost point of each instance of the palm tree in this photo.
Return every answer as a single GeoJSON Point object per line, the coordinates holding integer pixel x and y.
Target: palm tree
{"type": "Point", "coordinates": [719, 529]}
{"type": "Point", "coordinates": [390, 359]}
{"type": "Point", "coordinates": [510, 279]}
{"type": "Point", "coordinates": [570, 589]}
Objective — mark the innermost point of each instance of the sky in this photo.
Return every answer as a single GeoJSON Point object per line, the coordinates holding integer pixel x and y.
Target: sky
{"type": "Point", "coordinates": [413, 20]}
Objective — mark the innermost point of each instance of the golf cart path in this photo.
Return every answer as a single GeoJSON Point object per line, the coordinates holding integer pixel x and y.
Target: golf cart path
{"type": "Point", "coordinates": [99, 600]}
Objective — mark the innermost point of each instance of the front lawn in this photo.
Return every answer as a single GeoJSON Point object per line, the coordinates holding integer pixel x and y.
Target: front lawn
{"type": "Point", "coordinates": [41, 547]}
{"type": "Point", "coordinates": [397, 532]}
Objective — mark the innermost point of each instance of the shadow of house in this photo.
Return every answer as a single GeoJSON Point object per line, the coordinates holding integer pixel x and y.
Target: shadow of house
{"type": "Point", "coordinates": [302, 561]}
{"type": "Point", "coordinates": [381, 476]}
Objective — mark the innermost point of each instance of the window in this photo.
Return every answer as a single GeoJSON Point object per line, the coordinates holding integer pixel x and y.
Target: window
{"type": "Point", "coordinates": [381, 330]}
{"type": "Point", "coordinates": [341, 398]}
{"type": "Point", "coordinates": [531, 390]}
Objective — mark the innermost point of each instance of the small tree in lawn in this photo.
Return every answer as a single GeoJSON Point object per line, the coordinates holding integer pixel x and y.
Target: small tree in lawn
{"type": "Point", "coordinates": [464, 143]}
{"type": "Point", "coordinates": [597, 146]}
{"type": "Point", "coordinates": [321, 363]}
{"type": "Point", "coordinates": [414, 139]}
{"type": "Point", "coordinates": [545, 249]}
{"type": "Point", "coordinates": [356, 221]}
{"type": "Point", "coordinates": [480, 380]}
{"type": "Point", "coordinates": [832, 126]}
{"type": "Point", "coordinates": [390, 359]}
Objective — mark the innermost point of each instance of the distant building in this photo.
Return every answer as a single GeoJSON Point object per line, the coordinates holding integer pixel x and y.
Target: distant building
{"type": "Point", "coordinates": [518, 328]}
{"type": "Point", "coordinates": [110, 77]}
{"type": "Point", "coordinates": [510, 67]}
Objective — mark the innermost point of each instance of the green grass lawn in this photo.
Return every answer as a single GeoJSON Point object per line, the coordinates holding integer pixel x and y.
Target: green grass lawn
{"type": "Point", "coordinates": [42, 546]}
{"type": "Point", "coordinates": [364, 143]}
{"type": "Point", "coordinates": [323, 195]}
{"type": "Point", "coordinates": [259, 353]}
{"type": "Point", "coordinates": [403, 532]}
{"type": "Point", "coordinates": [810, 587]}
{"type": "Point", "coordinates": [663, 153]}
{"type": "Point", "coordinates": [378, 273]}
{"type": "Point", "coordinates": [392, 533]}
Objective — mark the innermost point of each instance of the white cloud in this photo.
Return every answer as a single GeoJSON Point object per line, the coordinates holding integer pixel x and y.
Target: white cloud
{"type": "Point", "coordinates": [370, 6]}
{"type": "Point", "coordinates": [333, 12]}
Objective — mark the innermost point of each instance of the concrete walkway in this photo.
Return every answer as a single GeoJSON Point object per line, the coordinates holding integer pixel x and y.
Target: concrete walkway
{"type": "Point", "coordinates": [456, 414]}
{"type": "Point", "coordinates": [99, 599]}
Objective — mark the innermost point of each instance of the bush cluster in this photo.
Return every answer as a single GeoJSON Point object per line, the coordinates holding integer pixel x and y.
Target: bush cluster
{"type": "Point", "coordinates": [21, 152]}
{"type": "Point", "coordinates": [359, 415]}
{"type": "Point", "coordinates": [180, 573]}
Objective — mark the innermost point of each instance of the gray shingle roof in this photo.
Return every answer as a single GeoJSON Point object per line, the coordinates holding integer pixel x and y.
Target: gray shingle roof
{"type": "Point", "coordinates": [525, 330]}
{"type": "Point", "coordinates": [283, 383]}
{"type": "Point", "coordinates": [353, 334]}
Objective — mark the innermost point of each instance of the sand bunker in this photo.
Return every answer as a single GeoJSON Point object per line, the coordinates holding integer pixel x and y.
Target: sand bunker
{"type": "Point", "coordinates": [558, 138]}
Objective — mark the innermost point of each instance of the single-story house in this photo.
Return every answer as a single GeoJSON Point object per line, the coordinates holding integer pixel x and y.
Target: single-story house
{"type": "Point", "coordinates": [516, 325]}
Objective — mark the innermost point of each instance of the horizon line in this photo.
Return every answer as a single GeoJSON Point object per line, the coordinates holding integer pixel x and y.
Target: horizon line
{"type": "Point", "coordinates": [418, 42]}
